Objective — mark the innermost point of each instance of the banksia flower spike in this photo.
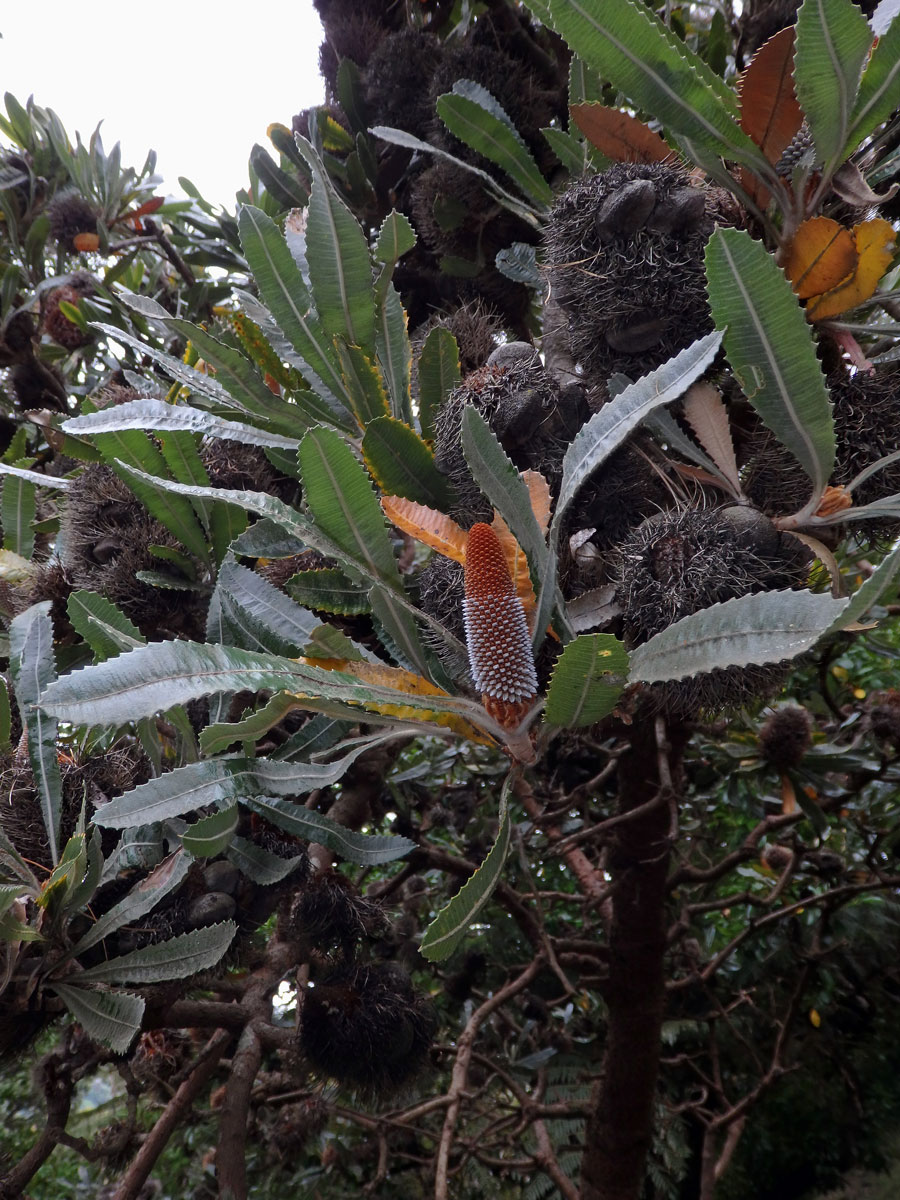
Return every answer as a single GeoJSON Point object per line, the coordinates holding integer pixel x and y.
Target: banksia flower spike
{"type": "Point", "coordinates": [500, 654]}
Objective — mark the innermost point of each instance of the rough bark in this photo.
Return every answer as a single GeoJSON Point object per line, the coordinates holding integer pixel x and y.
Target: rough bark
{"type": "Point", "coordinates": [620, 1127]}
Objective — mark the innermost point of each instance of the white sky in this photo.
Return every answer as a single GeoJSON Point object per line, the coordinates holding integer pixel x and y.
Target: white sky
{"type": "Point", "coordinates": [198, 83]}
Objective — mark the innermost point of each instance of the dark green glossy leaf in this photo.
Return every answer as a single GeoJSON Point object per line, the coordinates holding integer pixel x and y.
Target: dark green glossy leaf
{"type": "Point", "coordinates": [581, 691]}
{"type": "Point", "coordinates": [402, 465]}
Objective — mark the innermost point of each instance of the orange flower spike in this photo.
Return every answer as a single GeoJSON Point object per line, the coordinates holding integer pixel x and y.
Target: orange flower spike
{"type": "Point", "coordinates": [500, 654]}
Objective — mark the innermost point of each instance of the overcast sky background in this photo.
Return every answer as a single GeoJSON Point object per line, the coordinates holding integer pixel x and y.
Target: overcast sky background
{"type": "Point", "coordinates": [197, 86]}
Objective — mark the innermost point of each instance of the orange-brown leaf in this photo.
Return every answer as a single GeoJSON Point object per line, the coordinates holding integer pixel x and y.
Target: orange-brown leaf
{"type": "Point", "coordinates": [618, 135]}
{"type": "Point", "coordinates": [822, 256]}
{"type": "Point", "coordinates": [539, 491]}
{"type": "Point", "coordinates": [427, 525]}
{"type": "Point", "coordinates": [875, 248]}
{"type": "Point", "coordinates": [770, 113]}
{"type": "Point", "coordinates": [518, 568]}
{"type": "Point", "coordinates": [84, 242]}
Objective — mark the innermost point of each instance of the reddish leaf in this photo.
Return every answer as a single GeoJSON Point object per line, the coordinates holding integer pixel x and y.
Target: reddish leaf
{"type": "Point", "coordinates": [148, 207]}
{"type": "Point", "coordinates": [770, 113]}
{"type": "Point", "coordinates": [618, 135]}
{"type": "Point", "coordinates": [84, 242]}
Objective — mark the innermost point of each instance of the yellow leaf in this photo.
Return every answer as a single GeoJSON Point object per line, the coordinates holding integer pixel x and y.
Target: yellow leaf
{"type": "Point", "coordinates": [874, 242]}
{"type": "Point", "coordinates": [402, 681]}
{"type": "Point", "coordinates": [822, 256]}
{"type": "Point", "coordinates": [427, 525]}
{"type": "Point", "coordinates": [814, 1018]}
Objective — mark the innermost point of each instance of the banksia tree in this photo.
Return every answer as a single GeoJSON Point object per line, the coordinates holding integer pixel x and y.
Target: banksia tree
{"type": "Point", "coordinates": [453, 594]}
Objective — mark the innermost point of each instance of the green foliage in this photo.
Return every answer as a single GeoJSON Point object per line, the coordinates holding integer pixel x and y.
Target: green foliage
{"type": "Point", "coordinates": [288, 772]}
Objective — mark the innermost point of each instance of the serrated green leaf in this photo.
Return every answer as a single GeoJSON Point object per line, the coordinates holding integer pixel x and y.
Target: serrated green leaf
{"type": "Point", "coordinates": [244, 383]}
{"type": "Point", "coordinates": [156, 415]}
{"type": "Point", "coordinates": [260, 865]}
{"type": "Point", "coordinates": [176, 958]}
{"type": "Point", "coordinates": [329, 590]}
{"type": "Point", "coordinates": [340, 270]}
{"type": "Point", "coordinates": [284, 189]}
{"type": "Point", "coordinates": [607, 429]}
{"type": "Point", "coordinates": [580, 691]}
{"type": "Point", "coordinates": [879, 90]}
{"type": "Point", "coordinates": [113, 1018]}
{"type": "Point", "coordinates": [143, 897]}
{"type": "Point", "coordinates": [32, 666]}
{"type": "Point", "coordinates": [284, 292]}
{"type": "Point", "coordinates": [133, 448]}
{"type": "Point", "coordinates": [467, 115]}
{"type": "Point", "coordinates": [5, 718]}
{"type": "Point", "coordinates": [103, 626]}
{"type": "Point", "coordinates": [833, 42]}
{"type": "Point", "coordinates": [402, 465]}
{"type": "Point", "coordinates": [518, 262]}
{"type": "Point", "coordinates": [626, 44]}
{"type": "Point", "coordinates": [156, 677]}
{"type": "Point", "coordinates": [267, 539]}
{"type": "Point", "coordinates": [209, 836]}
{"type": "Point", "coordinates": [13, 866]}
{"type": "Point", "coordinates": [17, 509]}
{"type": "Point", "coordinates": [568, 149]}
{"type": "Point", "coordinates": [870, 591]}
{"type": "Point", "coordinates": [266, 617]}
{"type": "Point", "coordinates": [770, 348]}
{"type": "Point", "coordinates": [396, 237]}
{"type": "Point", "coordinates": [365, 386]}
{"type": "Point", "coordinates": [449, 927]}
{"type": "Point", "coordinates": [218, 737]}
{"type": "Point", "coordinates": [342, 500]}
{"type": "Point", "coordinates": [394, 350]}
{"type": "Point", "coordinates": [222, 781]}
{"type": "Point", "coordinates": [438, 374]}
{"type": "Point", "coordinates": [763, 628]}
{"type": "Point", "coordinates": [360, 848]}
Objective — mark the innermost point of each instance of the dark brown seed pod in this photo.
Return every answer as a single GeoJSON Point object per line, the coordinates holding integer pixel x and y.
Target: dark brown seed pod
{"type": "Point", "coordinates": [441, 595]}
{"type": "Point", "coordinates": [56, 324]}
{"type": "Point", "coordinates": [367, 1028]}
{"type": "Point", "coordinates": [329, 914]}
{"type": "Point", "coordinates": [36, 384]}
{"type": "Point", "coordinates": [398, 80]}
{"type": "Point", "coordinates": [242, 467]}
{"type": "Point", "coordinates": [677, 563]}
{"type": "Point", "coordinates": [884, 717]}
{"type": "Point", "coordinates": [625, 251]}
{"type": "Point", "coordinates": [785, 736]}
{"type": "Point", "coordinates": [476, 327]}
{"type": "Point", "coordinates": [70, 214]}
{"type": "Point", "coordinates": [107, 533]}
{"type": "Point", "coordinates": [296, 1125]}
{"type": "Point", "coordinates": [532, 418]}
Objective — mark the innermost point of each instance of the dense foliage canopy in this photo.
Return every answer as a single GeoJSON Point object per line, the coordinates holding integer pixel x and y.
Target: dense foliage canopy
{"type": "Point", "coordinates": [448, 737]}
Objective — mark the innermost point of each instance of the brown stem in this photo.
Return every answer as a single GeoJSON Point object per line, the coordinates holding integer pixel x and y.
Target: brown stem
{"type": "Point", "coordinates": [231, 1166]}
{"type": "Point", "coordinates": [173, 1114]}
{"type": "Point", "coordinates": [170, 252]}
{"type": "Point", "coordinates": [619, 1129]}
{"type": "Point", "coordinates": [58, 1086]}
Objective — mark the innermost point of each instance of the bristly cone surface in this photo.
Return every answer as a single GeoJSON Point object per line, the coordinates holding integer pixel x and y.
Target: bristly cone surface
{"type": "Point", "coordinates": [500, 655]}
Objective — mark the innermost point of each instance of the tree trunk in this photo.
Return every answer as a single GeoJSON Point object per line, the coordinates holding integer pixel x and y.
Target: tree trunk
{"type": "Point", "coordinates": [620, 1127]}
